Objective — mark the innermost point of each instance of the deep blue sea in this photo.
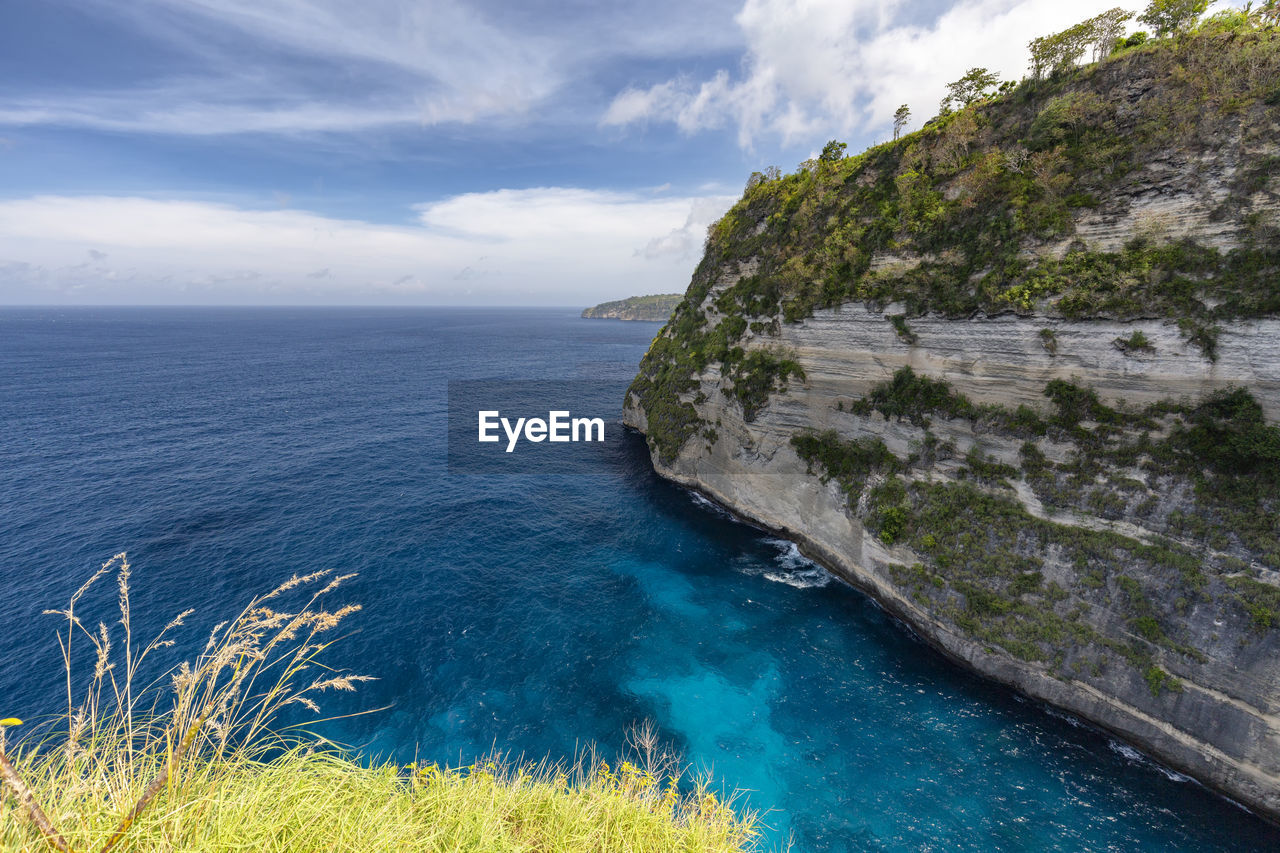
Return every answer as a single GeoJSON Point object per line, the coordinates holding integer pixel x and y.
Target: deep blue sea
{"type": "Point", "coordinates": [225, 449]}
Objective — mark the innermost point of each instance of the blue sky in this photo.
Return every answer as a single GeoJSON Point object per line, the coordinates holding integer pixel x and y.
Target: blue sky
{"type": "Point", "coordinates": [430, 151]}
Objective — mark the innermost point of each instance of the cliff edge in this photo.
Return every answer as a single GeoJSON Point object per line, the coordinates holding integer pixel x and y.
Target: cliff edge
{"type": "Point", "coordinates": [1017, 375]}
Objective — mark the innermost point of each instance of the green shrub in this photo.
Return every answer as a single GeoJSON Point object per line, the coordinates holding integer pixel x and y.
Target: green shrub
{"type": "Point", "coordinates": [1149, 629]}
{"type": "Point", "coordinates": [1158, 680]}
{"type": "Point", "coordinates": [987, 471]}
{"type": "Point", "coordinates": [899, 322]}
{"type": "Point", "coordinates": [759, 374]}
{"type": "Point", "coordinates": [1137, 342]}
{"type": "Point", "coordinates": [849, 463]}
{"type": "Point", "coordinates": [1260, 600]}
{"type": "Point", "coordinates": [910, 397]}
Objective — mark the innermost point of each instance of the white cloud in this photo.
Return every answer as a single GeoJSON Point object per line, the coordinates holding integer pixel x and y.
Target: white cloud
{"type": "Point", "coordinates": [687, 240]}
{"type": "Point", "coordinates": [308, 66]}
{"type": "Point", "coordinates": [550, 213]}
{"type": "Point", "coordinates": [550, 245]}
{"type": "Point", "coordinates": [637, 105]}
{"type": "Point", "coordinates": [176, 111]}
{"type": "Point", "coordinates": [303, 66]}
{"type": "Point", "coordinates": [822, 68]}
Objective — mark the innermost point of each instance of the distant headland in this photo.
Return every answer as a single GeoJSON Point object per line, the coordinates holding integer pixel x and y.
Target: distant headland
{"type": "Point", "coordinates": [653, 308]}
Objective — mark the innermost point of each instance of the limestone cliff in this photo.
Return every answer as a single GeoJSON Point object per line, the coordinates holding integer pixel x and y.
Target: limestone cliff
{"type": "Point", "coordinates": [1018, 376]}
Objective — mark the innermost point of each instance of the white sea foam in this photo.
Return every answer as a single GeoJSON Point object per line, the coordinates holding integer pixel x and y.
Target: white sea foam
{"type": "Point", "coordinates": [797, 569]}
{"type": "Point", "coordinates": [1131, 754]}
{"type": "Point", "coordinates": [1127, 752]}
{"type": "Point", "coordinates": [1066, 718]}
{"type": "Point", "coordinates": [789, 556]}
{"type": "Point", "coordinates": [709, 505]}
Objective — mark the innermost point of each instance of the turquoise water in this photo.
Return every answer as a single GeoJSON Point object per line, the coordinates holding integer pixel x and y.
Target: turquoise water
{"type": "Point", "coordinates": [532, 614]}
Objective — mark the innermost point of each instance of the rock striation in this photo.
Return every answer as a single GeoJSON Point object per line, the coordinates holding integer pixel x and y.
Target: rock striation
{"type": "Point", "coordinates": [1068, 482]}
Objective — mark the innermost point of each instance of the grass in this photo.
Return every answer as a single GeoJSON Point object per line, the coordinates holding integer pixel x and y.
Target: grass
{"type": "Point", "coordinates": [308, 799]}
{"type": "Point", "coordinates": [191, 762]}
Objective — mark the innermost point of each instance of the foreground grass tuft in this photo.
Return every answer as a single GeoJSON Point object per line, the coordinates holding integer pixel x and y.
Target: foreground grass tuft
{"type": "Point", "coordinates": [190, 762]}
{"type": "Point", "coordinates": [308, 799]}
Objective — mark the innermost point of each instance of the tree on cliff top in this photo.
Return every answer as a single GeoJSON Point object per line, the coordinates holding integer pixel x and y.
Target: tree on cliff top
{"type": "Point", "coordinates": [900, 117]}
{"type": "Point", "coordinates": [1059, 51]}
{"type": "Point", "coordinates": [1169, 17]}
{"type": "Point", "coordinates": [971, 87]}
{"type": "Point", "coordinates": [1108, 28]}
{"type": "Point", "coordinates": [832, 152]}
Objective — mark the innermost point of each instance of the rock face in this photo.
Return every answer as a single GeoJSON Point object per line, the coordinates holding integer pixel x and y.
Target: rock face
{"type": "Point", "coordinates": [1080, 503]}
{"type": "Point", "coordinates": [647, 308]}
{"type": "Point", "coordinates": [1003, 360]}
{"type": "Point", "coordinates": [1223, 726]}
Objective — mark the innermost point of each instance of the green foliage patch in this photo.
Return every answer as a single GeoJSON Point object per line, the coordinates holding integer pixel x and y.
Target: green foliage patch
{"type": "Point", "coordinates": [984, 551]}
{"type": "Point", "coordinates": [849, 463]}
{"type": "Point", "coordinates": [1260, 600]}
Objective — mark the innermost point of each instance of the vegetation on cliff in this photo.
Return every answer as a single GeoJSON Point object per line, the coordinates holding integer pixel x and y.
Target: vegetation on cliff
{"type": "Point", "coordinates": [983, 553]}
{"type": "Point", "coordinates": [655, 308]}
{"type": "Point", "coordinates": [190, 763]}
{"type": "Point", "coordinates": [978, 211]}
{"type": "Point", "coordinates": [957, 217]}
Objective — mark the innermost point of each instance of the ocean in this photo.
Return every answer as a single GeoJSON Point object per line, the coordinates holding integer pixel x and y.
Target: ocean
{"type": "Point", "coordinates": [528, 613]}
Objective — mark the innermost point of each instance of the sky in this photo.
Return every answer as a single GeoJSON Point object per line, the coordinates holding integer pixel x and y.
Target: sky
{"type": "Point", "coordinates": [436, 152]}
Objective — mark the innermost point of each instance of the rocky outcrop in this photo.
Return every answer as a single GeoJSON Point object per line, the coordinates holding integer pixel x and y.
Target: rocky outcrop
{"type": "Point", "coordinates": [1018, 378]}
{"type": "Point", "coordinates": [646, 308]}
